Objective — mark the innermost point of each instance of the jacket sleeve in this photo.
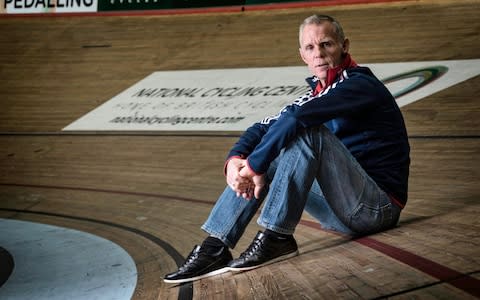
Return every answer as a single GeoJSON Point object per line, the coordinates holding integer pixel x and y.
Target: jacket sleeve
{"type": "Point", "coordinates": [248, 141]}
{"type": "Point", "coordinates": [353, 94]}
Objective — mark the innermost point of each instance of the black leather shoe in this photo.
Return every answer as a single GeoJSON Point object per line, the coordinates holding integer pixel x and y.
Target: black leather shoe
{"type": "Point", "coordinates": [200, 264]}
{"type": "Point", "coordinates": [264, 250]}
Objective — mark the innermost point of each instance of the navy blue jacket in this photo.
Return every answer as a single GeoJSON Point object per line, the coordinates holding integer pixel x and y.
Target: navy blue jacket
{"type": "Point", "coordinates": [359, 110]}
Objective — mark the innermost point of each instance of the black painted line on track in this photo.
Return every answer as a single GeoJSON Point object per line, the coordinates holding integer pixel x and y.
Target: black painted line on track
{"type": "Point", "coordinates": [7, 263]}
{"type": "Point", "coordinates": [127, 134]}
{"type": "Point", "coordinates": [128, 193]}
{"type": "Point", "coordinates": [443, 137]}
{"type": "Point", "coordinates": [96, 46]}
{"type": "Point", "coordinates": [190, 134]}
{"type": "Point", "coordinates": [447, 275]}
{"type": "Point", "coordinates": [186, 289]}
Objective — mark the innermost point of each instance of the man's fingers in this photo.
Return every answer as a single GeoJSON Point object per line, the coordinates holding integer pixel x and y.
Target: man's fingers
{"type": "Point", "coordinates": [248, 194]}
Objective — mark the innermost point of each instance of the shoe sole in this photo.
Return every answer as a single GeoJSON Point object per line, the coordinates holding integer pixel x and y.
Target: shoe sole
{"type": "Point", "coordinates": [213, 273]}
{"type": "Point", "coordinates": [280, 258]}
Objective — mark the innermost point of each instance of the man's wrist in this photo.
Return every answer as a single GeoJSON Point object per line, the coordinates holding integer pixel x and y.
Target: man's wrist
{"type": "Point", "coordinates": [228, 160]}
{"type": "Point", "coordinates": [251, 169]}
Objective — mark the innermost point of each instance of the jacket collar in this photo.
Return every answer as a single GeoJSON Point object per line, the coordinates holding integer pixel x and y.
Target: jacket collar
{"type": "Point", "coordinates": [332, 74]}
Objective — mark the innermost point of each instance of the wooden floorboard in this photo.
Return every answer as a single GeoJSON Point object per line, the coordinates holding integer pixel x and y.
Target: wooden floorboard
{"type": "Point", "coordinates": [150, 193]}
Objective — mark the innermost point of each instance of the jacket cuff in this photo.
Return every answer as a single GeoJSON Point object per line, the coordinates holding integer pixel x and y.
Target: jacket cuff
{"type": "Point", "coordinates": [251, 169]}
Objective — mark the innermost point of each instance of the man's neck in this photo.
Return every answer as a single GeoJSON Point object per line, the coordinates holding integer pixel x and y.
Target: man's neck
{"type": "Point", "coordinates": [332, 73]}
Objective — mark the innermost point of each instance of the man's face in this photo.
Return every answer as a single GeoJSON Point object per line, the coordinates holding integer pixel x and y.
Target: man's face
{"type": "Point", "coordinates": [320, 48]}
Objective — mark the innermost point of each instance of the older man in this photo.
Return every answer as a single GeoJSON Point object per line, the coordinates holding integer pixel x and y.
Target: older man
{"type": "Point", "coordinates": [340, 152]}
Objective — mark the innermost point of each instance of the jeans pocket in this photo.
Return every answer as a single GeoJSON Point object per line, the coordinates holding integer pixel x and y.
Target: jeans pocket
{"type": "Point", "coordinates": [368, 219]}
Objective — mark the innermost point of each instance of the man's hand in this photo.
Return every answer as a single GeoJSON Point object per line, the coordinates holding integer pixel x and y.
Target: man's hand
{"type": "Point", "coordinates": [258, 182]}
{"type": "Point", "coordinates": [241, 185]}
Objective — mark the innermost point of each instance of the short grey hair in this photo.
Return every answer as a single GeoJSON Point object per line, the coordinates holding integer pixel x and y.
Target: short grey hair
{"type": "Point", "coordinates": [319, 19]}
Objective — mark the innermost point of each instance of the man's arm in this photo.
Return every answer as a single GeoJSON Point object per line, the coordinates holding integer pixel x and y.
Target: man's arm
{"type": "Point", "coordinates": [353, 95]}
{"type": "Point", "coordinates": [248, 141]}
{"type": "Point", "coordinates": [236, 160]}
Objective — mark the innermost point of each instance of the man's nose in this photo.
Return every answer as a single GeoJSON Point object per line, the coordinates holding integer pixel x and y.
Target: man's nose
{"type": "Point", "coordinates": [319, 52]}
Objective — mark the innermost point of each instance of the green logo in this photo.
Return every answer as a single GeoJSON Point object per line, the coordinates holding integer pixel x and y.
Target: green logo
{"type": "Point", "coordinates": [424, 76]}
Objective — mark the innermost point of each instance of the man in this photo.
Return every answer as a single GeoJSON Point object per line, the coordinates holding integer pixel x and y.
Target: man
{"type": "Point", "coordinates": [340, 152]}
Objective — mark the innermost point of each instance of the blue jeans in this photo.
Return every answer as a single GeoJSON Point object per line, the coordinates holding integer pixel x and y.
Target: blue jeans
{"type": "Point", "coordinates": [316, 173]}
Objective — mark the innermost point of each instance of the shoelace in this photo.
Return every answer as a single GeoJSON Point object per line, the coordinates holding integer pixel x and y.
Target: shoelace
{"type": "Point", "coordinates": [191, 258]}
{"type": "Point", "coordinates": [252, 248]}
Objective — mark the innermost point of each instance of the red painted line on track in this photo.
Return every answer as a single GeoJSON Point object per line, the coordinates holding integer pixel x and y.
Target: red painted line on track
{"type": "Point", "coordinates": [459, 280]}
{"type": "Point", "coordinates": [206, 10]}
{"type": "Point", "coordinates": [447, 275]}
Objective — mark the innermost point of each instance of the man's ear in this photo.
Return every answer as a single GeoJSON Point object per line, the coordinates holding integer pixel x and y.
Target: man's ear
{"type": "Point", "coordinates": [346, 46]}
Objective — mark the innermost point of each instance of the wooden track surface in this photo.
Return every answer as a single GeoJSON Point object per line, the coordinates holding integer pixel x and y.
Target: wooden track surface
{"type": "Point", "coordinates": [147, 191]}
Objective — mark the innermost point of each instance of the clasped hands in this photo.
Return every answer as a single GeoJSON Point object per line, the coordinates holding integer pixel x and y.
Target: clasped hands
{"type": "Point", "coordinates": [242, 180]}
